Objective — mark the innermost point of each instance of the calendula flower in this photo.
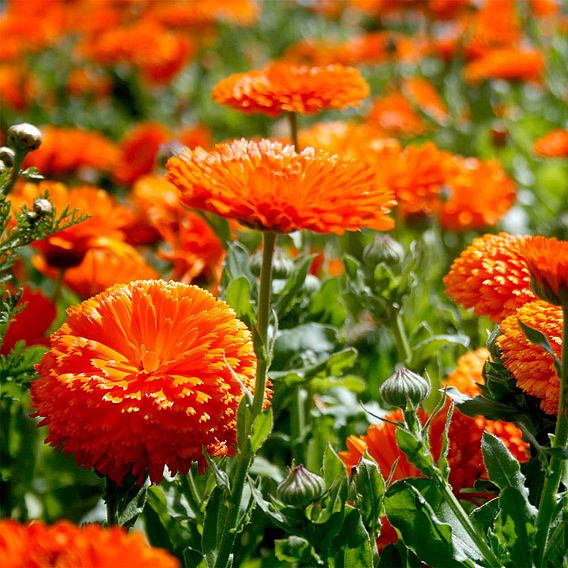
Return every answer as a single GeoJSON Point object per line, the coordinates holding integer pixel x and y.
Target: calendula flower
{"type": "Point", "coordinates": [67, 150]}
{"type": "Point", "coordinates": [491, 276]}
{"type": "Point", "coordinates": [68, 247]}
{"type": "Point", "coordinates": [138, 151]}
{"type": "Point", "coordinates": [268, 186]}
{"type": "Point", "coordinates": [511, 64]}
{"type": "Point", "coordinates": [69, 546]}
{"type": "Point", "coordinates": [145, 44]}
{"type": "Point", "coordinates": [107, 262]}
{"type": "Point", "coordinates": [495, 25]}
{"type": "Point", "coordinates": [17, 87]}
{"type": "Point", "coordinates": [475, 195]}
{"type": "Point", "coordinates": [284, 87]}
{"type": "Point", "coordinates": [530, 365]}
{"type": "Point", "coordinates": [86, 82]}
{"type": "Point", "coordinates": [394, 115]}
{"type": "Point", "coordinates": [32, 322]}
{"type": "Point", "coordinates": [144, 375]}
{"type": "Point", "coordinates": [547, 261]}
{"type": "Point", "coordinates": [552, 145]}
{"type": "Point", "coordinates": [425, 96]}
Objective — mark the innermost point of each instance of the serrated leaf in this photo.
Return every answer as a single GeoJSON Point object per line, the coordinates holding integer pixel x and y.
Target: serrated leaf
{"type": "Point", "coordinates": [238, 296]}
{"type": "Point", "coordinates": [261, 429]}
{"type": "Point", "coordinates": [484, 516]}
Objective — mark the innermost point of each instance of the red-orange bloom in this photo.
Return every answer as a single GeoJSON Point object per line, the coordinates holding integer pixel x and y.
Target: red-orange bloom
{"type": "Point", "coordinates": [143, 376]}
{"type": "Point", "coordinates": [511, 64]}
{"type": "Point", "coordinates": [284, 87]}
{"type": "Point", "coordinates": [532, 367]}
{"type": "Point", "coordinates": [65, 545]}
{"type": "Point", "coordinates": [394, 115]}
{"type": "Point", "coordinates": [68, 247]}
{"type": "Point", "coordinates": [268, 186]}
{"type": "Point", "coordinates": [425, 96]}
{"type": "Point", "coordinates": [552, 145]}
{"type": "Point", "coordinates": [491, 276]}
{"type": "Point", "coordinates": [547, 260]}
{"type": "Point", "coordinates": [67, 150]}
{"type": "Point", "coordinates": [477, 194]}
{"type": "Point", "coordinates": [32, 322]}
{"type": "Point", "coordinates": [17, 87]}
{"type": "Point", "coordinates": [138, 151]}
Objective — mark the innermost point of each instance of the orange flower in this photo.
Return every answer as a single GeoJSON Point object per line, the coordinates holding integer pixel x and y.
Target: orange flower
{"type": "Point", "coordinates": [145, 44]}
{"type": "Point", "coordinates": [425, 96]}
{"type": "Point", "coordinates": [35, 545]}
{"type": "Point", "coordinates": [268, 186]}
{"type": "Point", "coordinates": [68, 247]}
{"type": "Point", "coordinates": [284, 87]}
{"type": "Point", "coordinates": [85, 82]}
{"type": "Point", "coordinates": [491, 276]}
{"type": "Point", "coordinates": [511, 64]}
{"type": "Point", "coordinates": [17, 87]}
{"type": "Point", "coordinates": [394, 115]}
{"type": "Point", "coordinates": [495, 25]}
{"type": "Point", "coordinates": [138, 151]}
{"type": "Point", "coordinates": [547, 261]}
{"type": "Point", "coordinates": [66, 150]}
{"type": "Point", "coordinates": [32, 322]}
{"type": "Point", "coordinates": [552, 145]}
{"type": "Point", "coordinates": [478, 192]}
{"type": "Point", "coordinates": [532, 367]}
{"type": "Point", "coordinates": [143, 376]}
{"type": "Point", "coordinates": [107, 262]}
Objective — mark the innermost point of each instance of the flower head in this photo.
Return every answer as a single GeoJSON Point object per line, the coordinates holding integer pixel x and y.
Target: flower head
{"type": "Point", "coordinates": [532, 367]}
{"type": "Point", "coordinates": [491, 276]}
{"type": "Point", "coordinates": [547, 261]}
{"type": "Point", "coordinates": [552, 145]}
{"type": "Point", "coordinates": [510, 63]}
{"type": "Point", "coordinates": [268, 186]}
{"type": "Point", "coordinates": [143, 376]}
{"type": "Point", "coordinates": [288, 87]}
{"type": "Point", "coordinates": [68, 546]}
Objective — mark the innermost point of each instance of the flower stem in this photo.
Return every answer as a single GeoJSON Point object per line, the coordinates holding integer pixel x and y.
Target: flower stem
{"type": "Point", "coordinates": [402, 345]}
{"type": "Point", "coordinates": [556, 465]}
{"type": "Point", "coordinates": [14, 173]}
{"type": "Point", "coordinates": [293, 121]}
{"type": "Point", "coordinates": [245, 455]}
{"type": "Point", "coordinates": [111, 498]}
{"type": "Point", "coordinates": [298, 423]}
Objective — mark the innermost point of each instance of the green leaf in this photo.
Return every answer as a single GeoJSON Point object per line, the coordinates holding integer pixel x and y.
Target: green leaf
{"type": "Point", "coordinates": [333, 467]}
{"type": "Point", "coordinates": [369, 486]}
{"type": "Point", "coordinates": [428, 527]}
{"type": "Point", "coordinates": [238, 296]}
{"type": "Point", "coordinates": [261, 429]}
{"type": "Point", "coordinates": [484, 516]}
{"type": "Point", "coordinates": [357, 547]}
{"type": "Point", "coordinates": [443, 463]}
{"type": "Point", "coordinates": [428, 348]}
{"type": "Point", "coordinates": [416, 451]}
{"type": "Point", "coordinates": [293, 549]}
{"type": "Point", "coordinates": [130, 513]}
{"type": "Point", "coordinates": [538, 338]}
{"type": "Point", "coordinates": [503, 469]}
{"type": "Point", "coordinates": [515, 527]}
{"type": "Point", "coordinates": [284, 300]}
{"type": "Point", "coordinates": [214, 522]}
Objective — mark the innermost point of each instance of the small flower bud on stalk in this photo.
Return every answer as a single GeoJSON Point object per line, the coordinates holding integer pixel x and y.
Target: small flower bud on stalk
{"type": "Point", "coordinates": [24, 137]}
{"type": "Point", "coordinates": [404, 388]}
{"type": "Point", "coordinates": [300, 488]}
{"type": "Point", "coordinates": [383, 249]}
{"type": "Point", "coordinates": [7, 156]}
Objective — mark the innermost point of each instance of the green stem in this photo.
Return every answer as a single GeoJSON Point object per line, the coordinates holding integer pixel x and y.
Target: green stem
{"type": "Point", "coordinates": [402, 345]}
{"type": "Point", "coordinates": [293, 122]}
{"type": "Point", "coordinates": [245, 455]}
{"type": "Point", "coordinates": [298, 423]}
{"type": "Point", "coordinates": [14, 174]}
{"type": "Point", "coordinates": [556, 466]}
{"type": "Point", "coordinates": [111, 498]}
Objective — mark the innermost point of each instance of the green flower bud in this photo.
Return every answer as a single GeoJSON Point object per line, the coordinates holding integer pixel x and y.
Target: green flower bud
{"type": "Point", "coordinates": [383, 249]}
{"type": "Point", "coordinates": [24, 137]}
{"type": "Point", "coordinates": [7, 156]}
{"type": "Point", "coordinates": [300, 488]}
{"type": "Point", "coordinates": [405, 387]}
{"type": "Point", "coordinates": [42, 206]}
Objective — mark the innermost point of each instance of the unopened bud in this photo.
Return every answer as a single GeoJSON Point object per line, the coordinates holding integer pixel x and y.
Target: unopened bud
{"type": "Point", "coordinates": [7, 156]}
{"type": "Point", "coordinates": [404, 388]}
{"type": "Point", "coordinates": [42, 206]}
{"type": "Point", "coordinates": [383, 249]}
{"type": "Point", "coordinates": [300, 488]}
{"type": "Point", "coordinates": [24, 137]}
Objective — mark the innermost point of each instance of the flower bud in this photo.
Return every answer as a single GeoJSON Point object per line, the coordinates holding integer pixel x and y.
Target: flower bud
{"type": "Point", "coordinates": [42, 207]}
{"type": "Point", "coordinates": [383, 249]}
{"type": "Point", "coordinates": [405, 387]}
{"type": "Point", "coordinates": [7, 156]}
{"type": "Point", "coordinates": [24, 137]}
{"type": "Point", "coordinates": [300, 488]}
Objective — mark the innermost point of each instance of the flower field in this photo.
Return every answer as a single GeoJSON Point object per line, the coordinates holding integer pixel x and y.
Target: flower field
{"type": "Point", "coordinates": [283, 283]}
